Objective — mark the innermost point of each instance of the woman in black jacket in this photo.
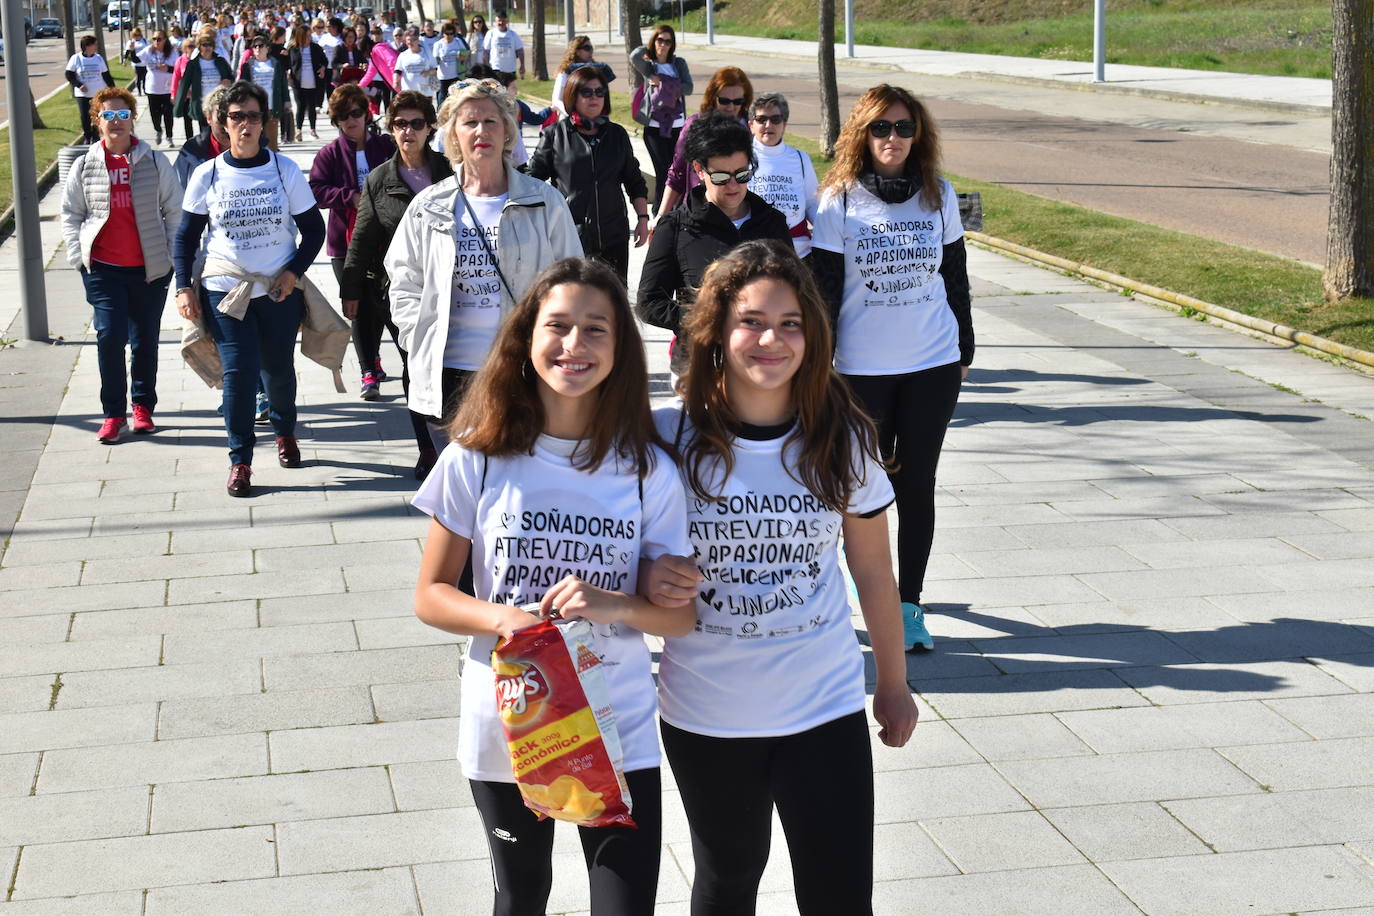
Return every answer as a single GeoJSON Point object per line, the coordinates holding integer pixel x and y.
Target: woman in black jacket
{"type": "Point", "coordinates": [386, 193]}
{"type": "Point", "coordinates": [589, 158]}
{"type": "Point", "coordinates": [309, 70]}
{"type": "Point", "coordinates": [713, 218]}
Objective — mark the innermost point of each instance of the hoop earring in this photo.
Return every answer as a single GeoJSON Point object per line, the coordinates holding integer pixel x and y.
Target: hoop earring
{"type": "Point", "coordinates": [525, 368]}
{"type": "Point", "coordinates": [717, 356]}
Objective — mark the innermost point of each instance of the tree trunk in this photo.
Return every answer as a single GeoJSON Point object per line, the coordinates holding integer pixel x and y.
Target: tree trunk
{"type": "Point", "coordinates": [99, 29]}
{"type": "Point", "coordinates": [630, 10]}
{"type": "Point", "coordinates": [1350, 224]}
{"type": "Point", "coordinates": [538, 42]}
{"type": "Point", "coordinates": [420, 8]}
{"type": "Point", "coordinates": [830, 90]}
{"type": "Point", "coordinates": [68, 27]}
{"type": "Point", "coordinates": [33, 110]}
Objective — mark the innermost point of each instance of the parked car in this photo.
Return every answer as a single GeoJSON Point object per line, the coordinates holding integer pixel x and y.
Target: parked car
{"type": "Point", "coordinates": [48, 28]}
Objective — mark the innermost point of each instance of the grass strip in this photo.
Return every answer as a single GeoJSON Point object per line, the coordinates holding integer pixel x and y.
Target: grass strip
{"type": "Point", "coordinates": [1261, 285]}
{"type": "Point", "coordinates": [63, 124]}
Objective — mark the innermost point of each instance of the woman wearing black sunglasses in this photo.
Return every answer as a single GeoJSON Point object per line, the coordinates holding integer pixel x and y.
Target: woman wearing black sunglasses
{"type": "Point", "coordinates": [588, 157]}
{"type": "Point", "coordinates": [717, 215]}
{"type": "Point", "coordinates": [729, 92]}
{"type": "Point", "coordinates": [888, 253]}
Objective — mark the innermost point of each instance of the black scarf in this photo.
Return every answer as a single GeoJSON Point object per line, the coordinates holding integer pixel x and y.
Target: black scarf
{"type": "Point", "coordinates": [889, 190]}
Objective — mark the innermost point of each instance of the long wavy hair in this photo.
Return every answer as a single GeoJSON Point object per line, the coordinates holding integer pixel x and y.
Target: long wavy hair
{"type": "Point", "coordinates": [570, 56]}
{"type": "Point", "coordinates": [832, 435]}
{"type": "Point", "coordinates": [502, 414]}
{"type": "Point", "coordinates": [851, 149]}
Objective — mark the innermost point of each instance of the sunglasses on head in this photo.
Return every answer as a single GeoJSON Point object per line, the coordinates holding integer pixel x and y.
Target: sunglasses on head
{"type": "Point", "coordinates": [720, 179]}
{"type": "Point", "coordinates": [881, 129]}
{"type": "Point", "coordinates": [239, 117]}
{"type": "Point", "coordinates": [415, 124]}
{"type": "Point", "coordinates": [122, 114]}
{"type": "Point", "coordinates": [587, 92]}
{"type": "Point", "coordinates": [722, 100]}
{"type": "Point", "coordinates": [768, 119]}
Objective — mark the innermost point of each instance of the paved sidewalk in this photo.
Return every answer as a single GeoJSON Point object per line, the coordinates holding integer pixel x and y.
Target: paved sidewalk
{"type": "Point", "coordinates": [1153, 690]}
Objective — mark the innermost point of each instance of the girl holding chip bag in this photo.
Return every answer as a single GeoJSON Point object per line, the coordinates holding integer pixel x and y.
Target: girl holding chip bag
{"type": "Point", "coordinates": [762, 704]}
{"type": "Point", "coordinates": [556, 486]}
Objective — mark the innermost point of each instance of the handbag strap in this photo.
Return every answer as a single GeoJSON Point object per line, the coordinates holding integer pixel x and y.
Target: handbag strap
{"type": "Point", "coordinates": [486, 246]}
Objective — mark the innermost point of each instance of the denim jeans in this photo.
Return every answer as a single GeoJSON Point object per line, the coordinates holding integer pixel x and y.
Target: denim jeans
{"type": "Point", "coordinates": [261, 345]}
{"type": "Point", "coordinates": [127, 313]}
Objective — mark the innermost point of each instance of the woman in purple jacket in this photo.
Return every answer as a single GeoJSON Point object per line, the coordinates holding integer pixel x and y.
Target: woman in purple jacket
{"type": "Point", "coordinates": [337, 179]}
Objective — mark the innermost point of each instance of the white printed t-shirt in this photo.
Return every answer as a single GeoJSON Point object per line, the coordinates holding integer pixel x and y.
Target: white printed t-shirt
{"type": "Point", "coordinates": [361, 166]}
{"type": "Point", "coordinates": [475, 312]}
{"type": "Point", "coordinates": [89, 71]}
{"type": "Point", "coordinates": [895, 317]}
{"type": "Point", "coordinates": [210, 77]}
{"type": "Point", "coordinates": [412, 67]}
{"type": "Point", "coordinates": [264, 77]}
{"type": "Point", "coordinates": [532, 520]}
{"type": "Point", "coordinates": [501, 48]}
{"type": "Point", "coordinates": [786, 179]}
{"type": "Point", "coordinates": [250, 214]}
{"type": "Point", "coordinates": [159, 81]}
{"type": "Point", "coordinates": [774, 651]}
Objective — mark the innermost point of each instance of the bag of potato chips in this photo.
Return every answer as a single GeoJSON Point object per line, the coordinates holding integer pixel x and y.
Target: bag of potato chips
{"type": "Point", "coordinates": [556, 710]}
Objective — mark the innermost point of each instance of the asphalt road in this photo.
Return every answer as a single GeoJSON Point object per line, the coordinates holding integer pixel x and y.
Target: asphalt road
{"type": "Point", "coordinates": [1251, 178]}
{"type": "Point", "coordinates": [47, 61]}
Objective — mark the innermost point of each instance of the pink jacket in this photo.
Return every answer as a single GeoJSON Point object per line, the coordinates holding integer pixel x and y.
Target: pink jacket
{"type": "Point", "coordinates": [382, 63]}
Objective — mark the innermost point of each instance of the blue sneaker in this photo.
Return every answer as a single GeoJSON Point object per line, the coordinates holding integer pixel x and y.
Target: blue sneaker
{"type": "Point", "coordinates": [260, 408]}
{"type": "Point", "coordinates": [914, 633]}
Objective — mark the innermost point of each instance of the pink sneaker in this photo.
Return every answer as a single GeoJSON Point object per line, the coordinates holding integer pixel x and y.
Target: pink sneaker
{"type": "Point", "coordinates": [143, 421]}
{"type": "Point", "coordinates": [112, 430]}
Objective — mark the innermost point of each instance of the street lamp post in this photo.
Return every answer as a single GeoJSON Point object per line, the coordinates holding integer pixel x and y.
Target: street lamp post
{"type": "Point", "coordinates": [849, 28]}
{"type": "Point", "coordinates": [22, 170]}
{"type": "Point", "coordinates": [1099, 41]}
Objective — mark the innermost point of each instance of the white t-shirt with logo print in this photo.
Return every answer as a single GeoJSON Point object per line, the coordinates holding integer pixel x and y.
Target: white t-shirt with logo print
{"type": "Point", "coordinates": [534, 519]}
{"type": "Point", "coordinates": [895, 317]}
{"type": "Point", "coordinates": [264, 77]}
{"type": "Point", "coordinates": [250, 214]}
{"type": "Point", "coordinates": [475, 311]}
{"type": "Point", "coordinates": [786, 179]}
{"type": "Point", "coordinates": [774, 651]}
{"type": "Point", "coordinates": [210, 77]}
{"type": "Point", "coordinates": [412, 66]}
{"type": "Point", "coordinates": [90, 71]}
{"type": "Point", "coordinates": [501, 48]}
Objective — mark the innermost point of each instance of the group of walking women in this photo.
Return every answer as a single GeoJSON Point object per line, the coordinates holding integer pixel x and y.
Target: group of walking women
{"type": "Point", "coordinates": [822, 332]}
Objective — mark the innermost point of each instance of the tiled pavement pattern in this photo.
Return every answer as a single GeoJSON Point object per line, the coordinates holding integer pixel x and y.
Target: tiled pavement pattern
{"type": "Point", "coordinates": [1153, 689]}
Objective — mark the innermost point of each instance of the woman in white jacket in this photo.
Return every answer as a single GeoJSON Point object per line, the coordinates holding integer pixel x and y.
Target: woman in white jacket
{"type": "Point", "coordinates": [467, 249]}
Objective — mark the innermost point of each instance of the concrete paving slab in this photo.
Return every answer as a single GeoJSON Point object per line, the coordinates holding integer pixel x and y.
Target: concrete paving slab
{"type": "Point", "coordinates": [395, 632]}
{"type": "Point", "coordinates": [376, 666]}
{"type": "Point", "coordinates": [114, 903]}
{"type": "Point", "coordinates": [26, 694]}
{"type": "Point", "coordinates": [51, 658]}
{"type": "Point", "coordinates": [358, 893]}
{"type": "Point", "coordinates": [129, 623]}
{"type": "Point", "coordinates": [430, 784]}
{"type": "Point", "coordinates": [363, 745]}
{"type": "Point", "coordinates": [1284, 637]}
{"type": "Point", "coordinates": [259, 712]}
{"type": "Point", "coordinates": [305, 639]}
{"type": "Point", "coordinates": [1138, 830]}
{"type": "Point", "coordinates": [1113, 778]}
{"type": "Point", "coordinates": [44, 628]}
{"type": "Point", "coordinates": [1314, 603]}
{"type": "Point", "coordinates": [257, 585]}
{"type": "Point", "coordinates": [1000, 842]}
{"type": "Point", "coordinates": [1350, 716]}
{"type": "Point", "coordinates": [907, 795]}
{"type": "Point", "coordinates": [1023, 737]}
{"type": "Point", "coordinates": [1208, 683]}
{"type": "Point", "coordinates": [940, 746]}
{"type": "Point", "coordinates": [1073, 652]}
{"type": "Point", "coordinates": [1029, 892]}
{"type": "Point", "coordinates": [358, 605]}
{"type": "Point", "coordinates": [160, 860]}
{"type": "Point", "coordinates": [39, 819]}
{"type": "Point", "coordinates": [234, 802]}
{"type": "Point", "coordinates": [1280, 819]}
{"type": "Point", "coordinates": [1134, 614]}
{"type": "Point", "coordinates": [424, 700]}
{"type": "Point", "coordinates": [29, 601]}
{"type": "Point", "coordinates": [48, 574]}
{"type": "Point", "coordinates": [1329, 764]}
{"type": "Point", "coordinates": [1015, 694]}
{"type": "Point", "coordinates": [380, 840]}
{"type": "Point", "coordinates": [47, 729]}
{"type": "Point", "coordinates": [162, 682]}
{"type": "Point", "coordinates": [1357, 670]}
{"type": "Point", "coordinates": [152, 762]}
{"type": "Point", "coordinates": [1158, 728]}
{"type": "Point", "coordinates": [1246, 882]}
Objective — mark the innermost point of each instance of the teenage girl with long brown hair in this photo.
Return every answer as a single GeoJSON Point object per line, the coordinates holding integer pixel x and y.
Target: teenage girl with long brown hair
{"type": "Point", "coordinates": [555, 485]}
{"type": "Point", "coordinates": [762, 704]}
{"type": "Point", "coordinates": [888, 250]}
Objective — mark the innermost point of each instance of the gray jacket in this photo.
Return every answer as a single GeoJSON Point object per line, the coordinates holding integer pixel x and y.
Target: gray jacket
{"type": "Point", "coordinates": [156, 200]}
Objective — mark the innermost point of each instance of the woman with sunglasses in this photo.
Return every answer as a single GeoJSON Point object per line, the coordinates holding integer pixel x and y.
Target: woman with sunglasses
{"type": "Point", "coordinates": [269, 73]}
{"type": "Point", "coordinates": [477, 35]}
{"type": "Point", "coordinates": [467, 249]}
{"type": "Point", "coordinates": [589, 158]}
{"type": "Point", "coordinates": [88, 74]}
{"type": "Point", "coordinates": [120, 208]}
{"type": "Point", "coordinates": [415, 66]}
{"type": "Point", "coordinates": [729, 92]}
{"type": "Point", "coordinates": [889, 254]}
{"type": "Point", "coordinates": [308, 72]}
{"type": "Point", "coordinates": [785, 176]}
{"type": "Point", "coordinates": [337, 177]}
{"type": "Point", "coordinates": [452, 56]}
{"type": "Point", "coordinates": [389, 189]}
{"type": "Point", "coordinates": [249, 202]}
{"type": "Point", "coordinates": [662, 108]}
{"type": "Point", "coordinates": [716, 216]}
{"type": "Point", "coordinates": [578, 55]}
{"type": "Point", "coordinates": [349, 60]}
{"type": "Point", "coordinates": [780, 464]}
{"type": "Point", "coordinates": [160, 58]}
{"type": "Point", "coordinates": [205, 72]}
{"type": "Point", "coordinates": [133, 53]}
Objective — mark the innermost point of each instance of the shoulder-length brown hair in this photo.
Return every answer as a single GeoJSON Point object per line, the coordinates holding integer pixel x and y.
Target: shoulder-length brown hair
{"type": "Point", "coordinates": [501, 412]}
{"type": "Point", "coordinates": [579, 78]}
{"type": "Point", "coordinates": [652, 44]}
{"type": "Point", "coordinates": [832, 434]}
{"type": "Point", "coordinates": [300, 36]}
{"type": "Point", "coordinates": [727, 76]}
{"type": "Point", "coordinates": [570, 56]}
{"type": "Point", "coordinates": [851, 149]}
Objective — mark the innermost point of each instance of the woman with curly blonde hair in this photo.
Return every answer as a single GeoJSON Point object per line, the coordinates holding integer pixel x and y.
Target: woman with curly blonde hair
{"type": "Point", "coordinates": [888, 252]}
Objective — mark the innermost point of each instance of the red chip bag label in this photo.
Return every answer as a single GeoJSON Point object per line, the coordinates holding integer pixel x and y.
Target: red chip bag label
{"type": "Point", "coordinates": [564, 747]}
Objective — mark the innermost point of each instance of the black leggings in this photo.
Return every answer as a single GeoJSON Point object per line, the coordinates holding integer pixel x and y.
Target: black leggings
{"type": "Point", "coordinates": [912, 412]}
{"type": "Point", "coordinates": [622, 862]}
{"type": "Point", "coordinates": [140, 78]}
{"type": "Point", "coordinates": [88, 131]}
{"type": "Point", "coordinates": [617, 256]}
{"type": "Point", "coordinates": [160, 107]}
{"type": "Point", "coordinates": [186, 124]}
{"type": "Point", "coordinates": [307, 100]}
{"type": "Point", "coordinates": [821, 781]}
{"type": "Point", "coordinates": [661, 151]}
